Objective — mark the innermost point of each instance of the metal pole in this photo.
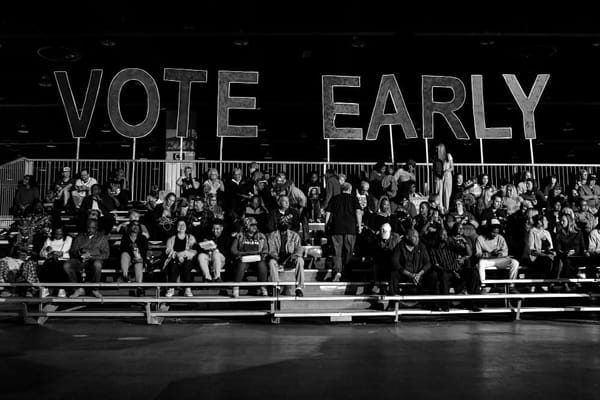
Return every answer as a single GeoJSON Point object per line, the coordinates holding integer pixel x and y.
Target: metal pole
{"type": "Point", "coordinates": [426, 188]}
{"type": "Point", "coordinates": [481, 151]}
{"type": "Point", "coordinates": [328, 152]}
{"type": "Point", "coordinates": [133, 171]}
{"type": "Point", "coordinates": [181, 149]}
{"type": "Point", "coordinates": [221, 158]}
{"type": "Point", "coordinates": [531, 151]}
{"type": "Point", "coordinates": [77, 155]}
{"type": "Point", "coordinates": [391, 144]}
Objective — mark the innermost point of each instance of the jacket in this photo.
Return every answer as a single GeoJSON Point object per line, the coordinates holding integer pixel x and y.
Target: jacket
{"type": "Point", "coordinates": [292, 245]}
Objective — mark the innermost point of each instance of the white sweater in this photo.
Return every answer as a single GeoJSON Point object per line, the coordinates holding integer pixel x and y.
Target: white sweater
{"type": "Point", "coordinates": [63, 245]}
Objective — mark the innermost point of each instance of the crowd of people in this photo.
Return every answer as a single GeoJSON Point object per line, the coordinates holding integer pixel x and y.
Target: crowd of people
{"type": "Point", "coordinates": [261, 221]}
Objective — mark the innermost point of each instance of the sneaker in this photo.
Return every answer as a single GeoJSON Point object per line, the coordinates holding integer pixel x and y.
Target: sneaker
{"type": "Point", "coordinates": [486, 290]}
{"type": "Point", "coordinates": [45, 292]}
{"type": "Point", "coordinates": [337, 277]}
{"type": "Point", "coordinates": [170, 292]}
{"type": "Point", "coordinates": [513, 290]}
{"type": "Point", "coordinates": [299, 292]}
{"type": "Point", "coordinates": [62, 293]}
{"type": "Point", "coordinates": [263, 291]}
{"type": "Point", "coordinates": [375, 289]}
{"type": "Point", "coordinates": [96, 293]}
{"type": "Point", "coordinates": [78, 292]}
{"type": "Point", "coordinates": [188, 292]}
{"type": "Point", "coordinates": [218, 280]}
{"type": "Point", "coordinates": [235, 292]}
{"type": "Point", "coordinates": [5, 293]}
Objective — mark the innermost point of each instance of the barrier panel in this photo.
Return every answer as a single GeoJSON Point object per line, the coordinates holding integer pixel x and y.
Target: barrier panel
{"type": "Point", "coordinates": [143, 174]}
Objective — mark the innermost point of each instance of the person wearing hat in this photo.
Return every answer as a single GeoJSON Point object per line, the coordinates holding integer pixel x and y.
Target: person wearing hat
{"type": "Point", "coordinates": [285, 252]}
{"type": "Point", "coordinates": [491, 252]}
{"type": "Point", "coordinates": [249, 248]}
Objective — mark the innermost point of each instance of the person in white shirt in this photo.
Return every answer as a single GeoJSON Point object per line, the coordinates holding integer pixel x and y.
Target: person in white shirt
{"type": "Point", "coordinates": [541, 249]}
{"type": "Point", "coordinates": [55, 251]}
{"type": "Point", "coordinates": [83, 187]}
{"type": "Point", "coordinates": [492, 252]}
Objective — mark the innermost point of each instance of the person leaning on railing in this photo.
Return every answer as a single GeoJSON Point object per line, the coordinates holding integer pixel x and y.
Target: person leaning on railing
{"type": "Point", "coordinates": [181, 250]}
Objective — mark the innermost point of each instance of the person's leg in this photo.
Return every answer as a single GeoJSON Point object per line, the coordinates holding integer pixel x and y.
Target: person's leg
{"type": "Point", "coordinates": [299, 272]}
{"type": "Point", "coordinates": [29, 271]}
{"type": "Point", "coordinates": [172, 271]}
{"type": "Point", "coordinates": [349, 242]}
{"type": "Point", "coordinates": [239, 271]}
{"type": "Point", "coordinates": [262, 271]}
{"type": "Point", "coordinates": [336, 242]}
{"type": "Point", "coordinates": [139, 271]}
{"type": "Point", "coordinates": [94, 270]}
{"type": "Point", "coordinates": [72, 268]}
{"type": "Point", "coordinates": [203, 261]}
{"type": "Point", "coordinates": [125, 263]}
{"type": "Point", "coordinates": [483, 264]}
{"type": "Point", "coordinates": [186, 271]}
{"type": "Point", "coordinates": [444, 280]}
{"type": "Point", "coordinates": [273, 270]}
{"type": "Point", "coordinates": [218, 264]}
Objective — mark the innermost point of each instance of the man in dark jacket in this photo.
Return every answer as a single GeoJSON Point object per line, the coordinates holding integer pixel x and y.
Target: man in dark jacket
{"type": "Point", "coordinates": [383, 249]}
{"type": "Point", "coordinates": [411, 263]}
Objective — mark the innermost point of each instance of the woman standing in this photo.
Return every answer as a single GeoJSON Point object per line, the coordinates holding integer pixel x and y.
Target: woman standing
{"type": "Point", "coordinates": [444, 167]}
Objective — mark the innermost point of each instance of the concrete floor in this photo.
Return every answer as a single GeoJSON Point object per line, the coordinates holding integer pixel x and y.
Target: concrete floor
{"type": "Point", "coordinates": [252, 360]}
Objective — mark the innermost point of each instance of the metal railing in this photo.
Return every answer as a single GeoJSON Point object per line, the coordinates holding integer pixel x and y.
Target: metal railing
{"type": "Point", "coordinates": [143, 174]}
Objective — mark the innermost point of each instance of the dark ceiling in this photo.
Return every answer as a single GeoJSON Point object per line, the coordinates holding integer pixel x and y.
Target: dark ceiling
{"type": "Point", "coordinates": [292, 46]}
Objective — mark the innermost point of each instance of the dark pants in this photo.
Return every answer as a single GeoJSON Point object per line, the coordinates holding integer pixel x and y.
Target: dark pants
{"type": "Point", "coordinates": [545, 267]}
{"type": "Point", "coordinates": [53, 271]}
{"type": "Point", "coordinates": [241, 268]}
{"type": "Point", "coordinates": [343, 247]}
{"type": "Point", "coordinates": [427, 285]}
{"type": "Point", "coordinates": [93, 270]}
{"type": "Point", "coordinates": [176, 269]}
{"type": "Point", "coordinates": [466, 278]}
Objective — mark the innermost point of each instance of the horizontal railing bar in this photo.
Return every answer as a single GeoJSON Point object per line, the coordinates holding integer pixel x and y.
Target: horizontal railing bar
{"type": "Point", "coordinates": [140, 284]}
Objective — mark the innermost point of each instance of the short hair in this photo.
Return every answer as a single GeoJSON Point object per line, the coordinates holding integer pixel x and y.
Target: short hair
{"type": "Point", "coordinates": [346, 186]}
{"type": "Point", "coordinates": [218, 221]}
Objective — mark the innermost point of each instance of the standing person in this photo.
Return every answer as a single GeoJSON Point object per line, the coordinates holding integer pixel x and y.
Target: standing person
{"type": "Point", "coordinates": [383, 248]}
{"type": "Point", "coordinates": [88, 251]}
{"type": "Point", "coordinates": [214, 185]}
{"type": "Point", "coordinates": [445, 193]}
{"type": "Point", "coordinates": [188, 184]}
{"type": "Point", "coordinates": [332, 187]}
{"type": "Point", "coordinates": [180, 253]}
{"type": "Point", "coordinates": [345, 217]}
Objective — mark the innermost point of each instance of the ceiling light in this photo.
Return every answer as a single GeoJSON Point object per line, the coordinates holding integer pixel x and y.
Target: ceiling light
{"type": "Point", "coordinates": [22, 128]}
{"type": "Point", "coordinates": [58, 54]}
{"type": "Point", "coordinates": [45, 81]}
{"type": "Point", "coordinates": [487, 42]}
{"type": "Point", "coordinates": [106, 128]}
{"type": "Point", "coordinates": [108, 43]}
{"type": "Point", "coordinates": [125, 145]}
{"type": "Point", "coordinates": [241, 42]}
{"type": "Point", "coordinates": [264, 144]}
{"type": "Point", "coordinates": [51, 146]}
{"type": "Point", "coordinates": [358, 43]}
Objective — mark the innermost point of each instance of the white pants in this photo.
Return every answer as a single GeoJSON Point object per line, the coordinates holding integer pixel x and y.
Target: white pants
{"type": "Point", "coordinates": [499, 263]}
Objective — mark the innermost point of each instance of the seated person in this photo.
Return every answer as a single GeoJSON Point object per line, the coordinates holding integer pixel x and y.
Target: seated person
{"type": "Point", "coordinates": [26, 194]}
{"type": "Point", "coordinates": [411, 263]}
{"type": "Point", "coordinates": [491, 250]}
{"type": "Point", "coordinates": [217, 255]}
{"type": "Point", "coordinates": [285, 252]}
{"type": "Point", "coordinates": [82, 188]}
{"type": "Point", "coordinates": [18, 265]}
{"type": "Point", "coordinates": [569, 247]}
{"type": "Point", "coordinates": [450, 256]}
{"type": "Point", "coordinates": [181, 250]}
{"type": "Point", "coordinates": [133, 250]}
{"type": "Point", "coordinates": [256, 209]}
{"type": "Point", "coordinates": [495, 211]}
{"type": "Point", "coordinates": [541, 250]}
{"type": "Point", "coordinates": [117, 188]}
{"type": "Point", "coordinates": [190, 186]}
{"type": "Point", "coordinates": [88, 252]}
{"type": "Point", "coordinates": [104, 204]}
{"type": "Point", "coordinates": [134, 217]}
{"type": "Point", "coordinates": [249, 242]}
{"type": "Point", "coordinates": [62, 189]}
{"type": "Point", "coordinates": [164, 217]}
{"type": "Point", "coordinates": [56, 252]}
{"type": "Point", "coordinates": [382, 251]}
{"type": "Point", "coordinates": [283, 214]}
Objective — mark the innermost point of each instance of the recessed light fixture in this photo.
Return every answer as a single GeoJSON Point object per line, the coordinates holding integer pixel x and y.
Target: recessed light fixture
{"type": "Point", "coordinates": [106, 128]}
{"type": "Point", "coordinates": [22, 128]}
{"type": "Point", "coordinates": [241, 42]}
{"type": "Point", "coordinates": [125, 145]}
{"type": "Point", "coordinates": [51, 146]}
{"type": "Point", "coordinates": [108, 43]}
{"type": "Point", "coordinates": [45, 81]}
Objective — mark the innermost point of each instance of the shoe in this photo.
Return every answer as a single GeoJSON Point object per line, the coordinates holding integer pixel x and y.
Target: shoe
{"type": "Point", "coordinates": [96, 293]}
{"type": "Point", "coordinates": [486, 290]}
{"type": "Point", "coordinates": [44, 292]}
{"type": "Point", "coordinates": [5, 293]}
{"type": "Point", "coordinates": [445, 308]}
{"type": "Point", "coordinates": [375, 290]}
{"type": "Point", "coordinates": [140, 292]}
{"type": "Point", "coordinates": [299, 292]}
{"type": "Point", "coordinates": [475, 309]}
{"type": "Point", "coordinates": [263, 291]}
{"type": "Point", "coordinates": [235, 293]}
{"type": "Point", "coordinates": [337, 277]}
{"type": "Point", "coordinates": [513, 290]}
{"type": "Point", "coordinates": [218, 280]}
{"type": "Point", "coordinates": [29, 293]}
{"type": "Point", "coordinates": [170, 292]}
{"type": "Point", "coordinates": [78, 292]}
{"type": "Point", "coordinates": [62, 293]}
{"type": "Point", "coordinates": [188, 292]}
{"type": "Point", "coordinates": [435, 308]}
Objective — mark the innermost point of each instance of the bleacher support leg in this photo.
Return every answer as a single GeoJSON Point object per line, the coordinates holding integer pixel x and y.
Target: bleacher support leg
{"type": "Point", "coordinates": [25, 316]}
{"type": "Point", "coordinates": [518, 314]}
{"type": "Point", "coordinates": [397, 311]}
